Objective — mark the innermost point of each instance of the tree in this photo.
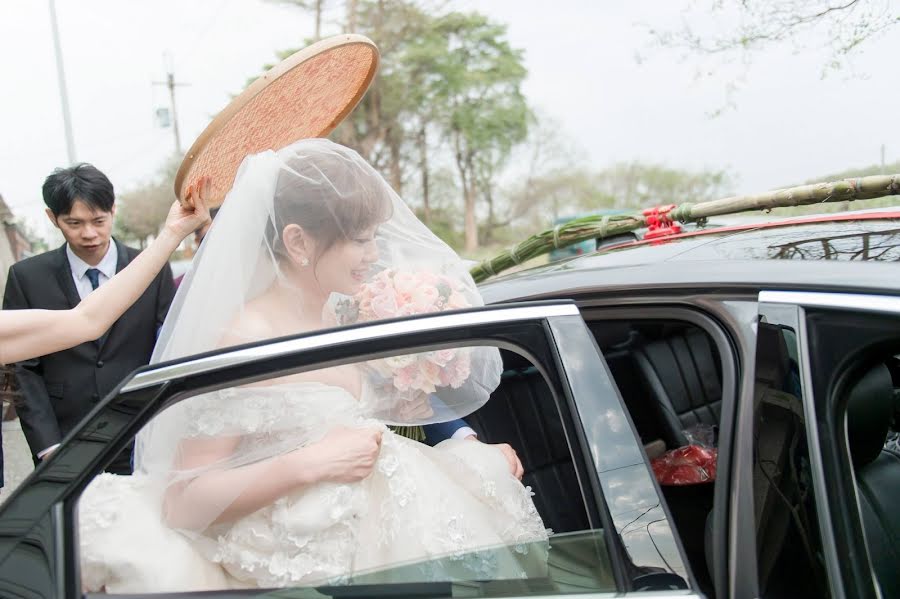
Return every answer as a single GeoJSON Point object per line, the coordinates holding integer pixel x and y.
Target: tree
{"type": "Point", "coordinates": [390, 126]}
{"type": "Point", "coordinates": [636, 184]}
{"type": "Point", "coordinates": [452, 78]}
{"type": "Point", "coordinates": [569, 190]}
{"type": "Point", "coordinates": [378, 128]}
{"type": "Point", "coordinates": [317, 7]}
{"type": "Point", "coordinates": [841, 26]}
{"type": "Point", "coordinates": [547, 162]}
{"type": "Point", "coordinates": [142, 211]}
{"type": "Point", "coordinates": [482, 110]}
{"type": "Point", "coordinates": [565, 191]}
{"type": "Point", "coordinates": [422, 84]}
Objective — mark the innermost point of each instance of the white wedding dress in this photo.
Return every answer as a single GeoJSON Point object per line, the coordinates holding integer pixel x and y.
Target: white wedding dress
{"type": "Point", "coordinates": [456, 501]}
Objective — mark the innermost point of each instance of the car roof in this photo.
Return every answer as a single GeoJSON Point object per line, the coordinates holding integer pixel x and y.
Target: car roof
{"type": "Point", "coordinates": [840, 251]}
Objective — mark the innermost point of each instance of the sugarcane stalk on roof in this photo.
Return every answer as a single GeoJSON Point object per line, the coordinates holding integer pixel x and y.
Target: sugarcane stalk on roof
{"type": "Point", "coordinates": [599, 227]}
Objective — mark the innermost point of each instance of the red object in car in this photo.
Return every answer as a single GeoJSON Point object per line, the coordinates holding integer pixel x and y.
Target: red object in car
{"type": "Point", "coordinates": [688, 465]}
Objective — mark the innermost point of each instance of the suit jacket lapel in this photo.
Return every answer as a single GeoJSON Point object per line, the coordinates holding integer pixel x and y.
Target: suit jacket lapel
{"type": "Point", "coordinates": [64, 277]}
{"type": "Point", "coordinates": [121, 262]}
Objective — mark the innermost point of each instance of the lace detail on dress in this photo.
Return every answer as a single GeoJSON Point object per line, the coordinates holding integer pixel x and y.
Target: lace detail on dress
{"type": "Point", "coordinates": [97, 515]}
{"type": "Point", "coordinates": [297, 408]}
{"type": "Point", "coordinates": [452, 512]}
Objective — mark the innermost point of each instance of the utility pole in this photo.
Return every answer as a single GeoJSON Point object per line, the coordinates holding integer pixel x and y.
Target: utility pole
{"type": "Point", "coordinates": [170, 83]}
{"type": "Point", "coordinates": [882, 159]}
{"type": "Point", "coordinates": [63, 95]}
{"type": "Point", "coordinates": [319, 19]}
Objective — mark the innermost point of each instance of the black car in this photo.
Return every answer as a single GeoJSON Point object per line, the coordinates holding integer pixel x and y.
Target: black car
{"type": "Point", "coordinates": [779, 339]}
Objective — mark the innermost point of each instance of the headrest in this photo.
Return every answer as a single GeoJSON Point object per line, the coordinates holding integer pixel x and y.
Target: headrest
{"type": "Point", "coordinates": [609, 333]}
{"type": "Point", "coordinates": [869, 410]}
{"type": "Point", "coordinates": [514, 361]}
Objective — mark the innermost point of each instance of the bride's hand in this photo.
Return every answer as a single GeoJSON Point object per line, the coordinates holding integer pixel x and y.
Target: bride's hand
{"type": "Point", "coordinates": [416, 410]}
{"type": "Point", "coordinates": [347, 455]}
{"type": "Point", "coordinates": [191, 213]}
{"type": "Point", "coordinates": [512, 458]}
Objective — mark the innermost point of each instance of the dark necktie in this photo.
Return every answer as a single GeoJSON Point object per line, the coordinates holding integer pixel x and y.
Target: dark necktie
{"type": "Point", "coordinates": [93, 276]}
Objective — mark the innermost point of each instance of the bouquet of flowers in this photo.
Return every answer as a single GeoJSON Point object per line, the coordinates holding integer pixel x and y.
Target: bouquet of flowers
{"type": "Point", "coordinates": [409, 379]}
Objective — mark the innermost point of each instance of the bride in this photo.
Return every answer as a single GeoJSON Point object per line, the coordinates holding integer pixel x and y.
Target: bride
{"type": "Point", "coordinates": [299, 481]}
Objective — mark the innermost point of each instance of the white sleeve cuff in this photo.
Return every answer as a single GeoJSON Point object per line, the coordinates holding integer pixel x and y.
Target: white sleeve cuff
{"type": "Point", "coordinates": [44, 452]}
{"type": "Point", "coordinates": [463, 433]}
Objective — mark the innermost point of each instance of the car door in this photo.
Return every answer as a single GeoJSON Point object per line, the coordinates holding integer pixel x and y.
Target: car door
{"type": "Point", "coordinates": [818, 512]}
{"type": "Point", "coordinates": [625, 542]}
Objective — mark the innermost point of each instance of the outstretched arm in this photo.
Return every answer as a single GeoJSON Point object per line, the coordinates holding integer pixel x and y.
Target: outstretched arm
{"type": "Point", "coordinates": [27, 334]}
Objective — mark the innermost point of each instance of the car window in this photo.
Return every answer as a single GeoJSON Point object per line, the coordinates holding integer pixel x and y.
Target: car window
{"type": "Point", "coordinates": [788, 544]}
{"type": "Point", "coordinates": [275, 484]}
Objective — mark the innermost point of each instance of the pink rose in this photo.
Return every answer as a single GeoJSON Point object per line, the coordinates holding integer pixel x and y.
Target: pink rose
{"type": "Point", "coordinates": [425, 298]}
{"type": "Point", "coordinates": [442, 357]}
{"type": "Point", "coordinates": [405, 283]}
{"type": "Point", "coordinates": [384, 306]}
{"type": "Point", "coordinates": [403, 379]}
{"type": "Point", "coordinates": [432, 375]}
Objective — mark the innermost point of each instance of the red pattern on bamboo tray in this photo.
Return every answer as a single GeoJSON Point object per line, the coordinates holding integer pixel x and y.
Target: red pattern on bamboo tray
{"type": "Point", "coordinates": [306, 95]}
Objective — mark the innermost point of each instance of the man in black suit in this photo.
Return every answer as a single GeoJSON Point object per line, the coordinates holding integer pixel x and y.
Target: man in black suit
{"type": "Point", "coordinates": [60, 389]}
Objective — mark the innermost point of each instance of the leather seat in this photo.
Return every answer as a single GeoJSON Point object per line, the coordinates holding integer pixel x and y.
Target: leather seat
{"type": "Point", "coordinates": [683, 374]}
{"type": "Point", "coordinates": [522, 412]}
{"type": "Point", "coordinates": [870, 409]}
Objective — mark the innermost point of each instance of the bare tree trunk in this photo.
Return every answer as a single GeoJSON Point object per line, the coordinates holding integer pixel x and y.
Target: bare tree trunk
{"type": "Point", "coordinates": [396, 165]}
{"type": "Point", "coordinates": [464, 164]}
{"type": "Point", "coordinates": [492, 216]}
{"type": "Point", "coordinates": [423, 169]}
{"type": "Point", "coordinates": [471, 226]}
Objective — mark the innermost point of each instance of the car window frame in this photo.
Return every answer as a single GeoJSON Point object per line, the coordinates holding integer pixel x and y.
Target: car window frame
{"type": "Point", "coordinates": [591, 408]}
{"type": "Point", "coordinates": [53, 489]}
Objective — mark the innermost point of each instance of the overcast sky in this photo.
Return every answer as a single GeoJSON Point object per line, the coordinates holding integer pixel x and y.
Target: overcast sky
{"type": "Point", "coordinates": [789, 123]}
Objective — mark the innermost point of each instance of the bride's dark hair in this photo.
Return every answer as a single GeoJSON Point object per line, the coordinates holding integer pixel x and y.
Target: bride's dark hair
{"type": "Point", "coordinates": [330, 198]}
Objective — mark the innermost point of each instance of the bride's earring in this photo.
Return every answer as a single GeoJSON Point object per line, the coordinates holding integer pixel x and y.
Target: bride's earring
{"type": "Point", "coordinates": [304, 261]}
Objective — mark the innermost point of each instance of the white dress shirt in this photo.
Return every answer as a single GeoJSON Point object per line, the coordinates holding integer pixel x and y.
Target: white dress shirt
{"type": "Point", "coordinates": [79, 267]}
{"type": "Point", "coordinates": [463, 433]}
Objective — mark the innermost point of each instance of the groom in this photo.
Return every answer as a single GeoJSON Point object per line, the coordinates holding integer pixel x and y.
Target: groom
{"type": "Point", "coordinates": [60, 389]}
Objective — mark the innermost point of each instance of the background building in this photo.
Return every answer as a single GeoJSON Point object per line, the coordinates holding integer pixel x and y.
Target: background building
{"type": "Point", "coordinates": [14, 243]}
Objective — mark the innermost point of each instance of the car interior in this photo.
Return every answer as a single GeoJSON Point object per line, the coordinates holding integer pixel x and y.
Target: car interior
{"type": "Point", "coordinates": [788, 536]}
{"type": "Point", "coordinates": [670, 376]}
{"type": "Point", "coordinates": [873, 424]}
{"type": "Point", "coordinates": [669, 373]}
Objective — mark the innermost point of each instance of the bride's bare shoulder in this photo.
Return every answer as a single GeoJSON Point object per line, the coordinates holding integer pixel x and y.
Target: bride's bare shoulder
{"type": "Point", "coordinates": [252, 323]}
